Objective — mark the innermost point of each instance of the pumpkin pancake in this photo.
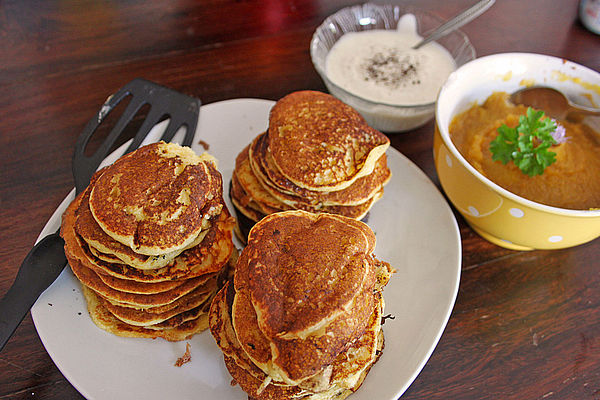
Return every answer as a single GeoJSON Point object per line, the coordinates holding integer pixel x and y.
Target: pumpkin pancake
{"type": "Point", "coordinates": [292, 361]}
{"type": "Point", "coordinates": [279, 186]}
{"type": "Point", "coordinates": [107, 321]}
{"type": "Point", "coordinates": [90, 278]}
{"type": "Point", "coordinates": [179, 319]}
{"type": "Point", "coordinates": [342, 377]}
{"type": "Point", "coordinates": [152, 199]}
{"type": "Point", "coordinates": [320, 143]}
{"type": "Point", "coordinates": [150, 242]}
{"type": "Point", "coordinates": [244, 176]}
{"type": "Point", "coordinates": [144, 317]}
{"type": "Point", "coordinates": [292, 256]}
{"type": "Point", "coordinates": [138, 287]}
{"type": "Point", "coordinates": [108, 249]}
{"type": "Point", "coordinates": [295, 360]}
{"type": "Point", "coordinates": [209, 256]}
{"type": "Point", "coordinates": [302, 317]}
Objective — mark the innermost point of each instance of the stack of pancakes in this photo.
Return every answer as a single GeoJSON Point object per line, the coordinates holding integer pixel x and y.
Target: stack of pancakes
{"type": "Point", "coordinates": [150, 241]}
{"type": "Point", "coordinates": [302, 317]}
{"type": "Point", "coordinates": [318, 155]}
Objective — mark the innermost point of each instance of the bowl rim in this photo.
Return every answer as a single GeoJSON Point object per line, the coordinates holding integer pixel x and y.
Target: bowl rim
{"type": "Point", "coordinates": [407, 8]}
{"type": "Point", "coordinates": [445, 135]}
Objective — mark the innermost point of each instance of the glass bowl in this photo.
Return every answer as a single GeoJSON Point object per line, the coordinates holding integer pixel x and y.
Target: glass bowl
{"type": "Point", "coordinates": [384, 117]}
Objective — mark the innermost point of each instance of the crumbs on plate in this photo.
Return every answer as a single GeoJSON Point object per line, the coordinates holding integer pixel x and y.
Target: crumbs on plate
{"type": "Point", "coordinates": [185, 358]}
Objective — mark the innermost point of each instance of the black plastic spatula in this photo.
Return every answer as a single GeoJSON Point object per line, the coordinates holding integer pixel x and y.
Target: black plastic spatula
{"type": "Point", "coordinates": [46, 260]}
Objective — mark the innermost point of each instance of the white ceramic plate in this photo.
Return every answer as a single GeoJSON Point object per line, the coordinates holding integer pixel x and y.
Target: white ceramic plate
{"type": "Point", "coordinates": [416, 233]}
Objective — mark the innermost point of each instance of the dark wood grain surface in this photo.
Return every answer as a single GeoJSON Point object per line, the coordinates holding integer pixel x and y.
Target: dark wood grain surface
{"type": "Point", "coordinates": [526, 325]}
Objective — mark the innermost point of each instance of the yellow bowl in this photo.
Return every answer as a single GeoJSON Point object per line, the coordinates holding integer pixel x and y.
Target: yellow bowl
{"type": "Point", "coordinates": [494, 213]}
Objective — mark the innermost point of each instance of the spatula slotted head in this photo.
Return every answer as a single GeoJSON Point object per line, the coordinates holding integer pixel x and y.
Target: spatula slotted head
{"type": "Point", "coordinates": [163, 103]}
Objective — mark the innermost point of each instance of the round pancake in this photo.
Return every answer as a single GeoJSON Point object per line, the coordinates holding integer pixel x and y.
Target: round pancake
{"type": "Point", "coordinates": [211, 284]}
{"type": "Point", "coordinates": [106, 248]}
{"type": "Point", "coordinates": [130, 286]}
{"type": "Point", "coordinates": [179, 319]}
{"type": "Point", "coordinates": [344, 375]}
{"type": "Point", "coordinates": [291, 257]}
{"type": "Point", "coordinates": [295, 360]}
{"type": "Point", "coordinates": [280, 187]}
{"type": "Point", "coordinates": [144, 317]}
{"type": "Point", "coordinates": [90, 278]}
{"type": "Point", "coordinates": [152, 199]}
{"type": "Point", "coordinates": [244, 175]}
{"type": "Point", "coordinates": [250, 196]}
{"type": "Point", "coordinates": [105, 320]}
{"type": "Point", "coordinates": [320, 143]}
{"type": "Point", "coordinates": [208, 257]}
{"type": "Point", "coordinates": [361, 354]}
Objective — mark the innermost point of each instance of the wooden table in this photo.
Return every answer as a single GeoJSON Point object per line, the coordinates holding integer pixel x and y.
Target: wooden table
{"type": "Point", "coordinates": [526, 325]}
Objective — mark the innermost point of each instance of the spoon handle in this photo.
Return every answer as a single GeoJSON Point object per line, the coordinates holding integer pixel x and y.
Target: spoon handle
{"type": "Point", "coordinates": [461, 19]}
{"type": "Point", "coordinates": [582, 110]}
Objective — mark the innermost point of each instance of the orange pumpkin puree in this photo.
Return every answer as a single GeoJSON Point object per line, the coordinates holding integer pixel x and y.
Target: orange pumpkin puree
{"type": "Point", "coordinates": [573, 181]}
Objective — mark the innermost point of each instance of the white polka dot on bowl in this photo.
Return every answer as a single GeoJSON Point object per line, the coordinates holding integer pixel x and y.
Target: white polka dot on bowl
{"type": "Point", "coordinates": [516, 212]}
{"type": "Point", "coordinates": [448, 161]}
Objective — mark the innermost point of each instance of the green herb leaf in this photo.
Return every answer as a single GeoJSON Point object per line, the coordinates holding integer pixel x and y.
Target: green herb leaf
{"type": "Point", "coordinates": [527, 144]}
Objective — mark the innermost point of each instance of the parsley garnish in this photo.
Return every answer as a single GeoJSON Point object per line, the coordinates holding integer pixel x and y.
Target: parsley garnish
{"type": "Point", "coordinates": [527, 144]}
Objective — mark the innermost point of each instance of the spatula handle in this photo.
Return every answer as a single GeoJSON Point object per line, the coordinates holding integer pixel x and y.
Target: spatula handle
{"type": "Point", "coordinates": [39, 269]}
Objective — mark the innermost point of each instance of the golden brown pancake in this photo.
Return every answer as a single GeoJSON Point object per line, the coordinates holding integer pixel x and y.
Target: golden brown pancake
{"type": "Point", "coordinates": [286, 323]}
{"type": "Point", "coordinates": [341, 378]}
{"type": "Point", "coordinates": [296, 254]}
{"type": "Point", "coordinates": [302, 317]}
{"type": "Point", "coordinates": [152, 199]}
{"type": "Point", "coordinates": [90, 278]}
{"type": "Point", "coordinates": [107, 321]}
{"type": "Point", "coordinates": [169, 201]}
{"type": "Point", "coordinates": [145, 317]}
{"type": "Point", "coordinates": [244, 176]}
{"type": "Point", "coordinates": [131, 286]}
{"type": "Point", "coordinates": [295, 360]}
{"type": "Point", "coordinates": [317, 155]}
{"type": "Point", "coordinates": [320, 143]}
{"type": "Point", "coordinates": [208, 257]}
{"type": "Point", "coordinates": [106, 248]}
{"type": "Point", "coordinates": [254, 201]}
{"type": "Point", "coordinates": [362, 190]}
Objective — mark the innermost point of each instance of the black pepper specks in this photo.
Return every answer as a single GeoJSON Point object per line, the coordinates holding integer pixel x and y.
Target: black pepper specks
{"type": "Point", "coordinates": [391, 69]}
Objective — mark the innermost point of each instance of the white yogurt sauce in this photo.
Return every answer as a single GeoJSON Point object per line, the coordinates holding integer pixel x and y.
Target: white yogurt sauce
{"type": "Point", "coordinates": [379, 65]}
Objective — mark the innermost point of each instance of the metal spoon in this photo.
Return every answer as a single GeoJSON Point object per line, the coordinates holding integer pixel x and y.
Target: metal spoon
{"type": "Point", "coordinates": [461, 19]}
{"type": "Point", "coordinates": [551, 101]}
